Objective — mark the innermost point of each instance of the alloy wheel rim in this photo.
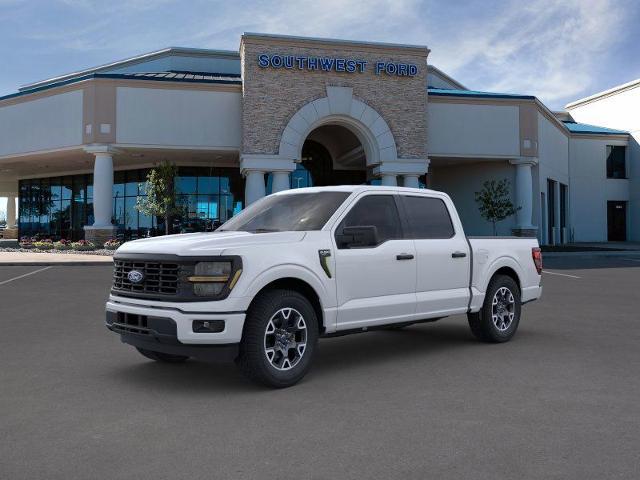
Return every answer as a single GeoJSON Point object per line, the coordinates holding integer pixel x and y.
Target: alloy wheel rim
{"type": "Point", "coordinates": [285, 339]}
{"type": "Point", "coordinates": [503, 309]}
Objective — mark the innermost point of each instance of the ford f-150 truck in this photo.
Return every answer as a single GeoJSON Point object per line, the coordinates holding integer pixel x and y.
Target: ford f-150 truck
{"type": "Point", "coordinates": [316, 262]}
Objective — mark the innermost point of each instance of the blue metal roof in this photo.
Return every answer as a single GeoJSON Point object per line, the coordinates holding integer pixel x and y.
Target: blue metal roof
{"type": "Point", "coordinates": [585, 128]}
{"type": "Point", "coordinates": [188, 77]}
{"type": "Point", "coordinates": [444, 92]}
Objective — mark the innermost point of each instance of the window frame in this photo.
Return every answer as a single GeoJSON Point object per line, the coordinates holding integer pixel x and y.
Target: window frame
{"type": "Point", "coordinates": [606, 163]}
{"type": "Point", "coordinates": [405, 214]}
{"type": "Point", "coordinates": [399, 210]}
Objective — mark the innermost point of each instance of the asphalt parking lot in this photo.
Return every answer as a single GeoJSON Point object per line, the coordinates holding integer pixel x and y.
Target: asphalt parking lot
{"type": "Point", "coordinates": [559, 401]}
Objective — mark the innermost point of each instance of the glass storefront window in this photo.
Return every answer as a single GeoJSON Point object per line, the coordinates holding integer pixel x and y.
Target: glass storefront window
{"type": "Point", "coordinates": [60, 207]}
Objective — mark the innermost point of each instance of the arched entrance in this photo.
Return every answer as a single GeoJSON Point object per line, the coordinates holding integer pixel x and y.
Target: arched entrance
{"type": "Point", "coordinates": [332, 155]}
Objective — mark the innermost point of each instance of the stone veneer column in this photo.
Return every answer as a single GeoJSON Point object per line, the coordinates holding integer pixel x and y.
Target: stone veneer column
{"type": "Point", "coordinates": [524, 197]}
{"type": "Point", "coordinates": [102, 228]}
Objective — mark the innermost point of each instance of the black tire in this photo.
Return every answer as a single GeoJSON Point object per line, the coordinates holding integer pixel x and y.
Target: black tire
{"type": "Point", "coordinates": [162, 357]}
{"type": "Point", "coordinates": [253, 358]}
{"type": "Point", "coordinates": [482, 323]}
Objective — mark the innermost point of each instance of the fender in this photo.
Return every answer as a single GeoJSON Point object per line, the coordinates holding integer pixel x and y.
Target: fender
{"type": "Point", "coordinates": [291, 270]}
{"type": "Point", "coordinates": [497, 264]}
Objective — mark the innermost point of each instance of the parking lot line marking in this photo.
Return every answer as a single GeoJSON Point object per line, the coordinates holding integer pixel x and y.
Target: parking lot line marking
{"type": "Point", "coordinates": [561, 274]}
{"type": "Point", "coordinates": [25, 275]}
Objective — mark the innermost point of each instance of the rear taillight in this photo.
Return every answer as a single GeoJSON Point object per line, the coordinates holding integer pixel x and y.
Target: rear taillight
{"type": "Point", "coordinates": [536, 254]}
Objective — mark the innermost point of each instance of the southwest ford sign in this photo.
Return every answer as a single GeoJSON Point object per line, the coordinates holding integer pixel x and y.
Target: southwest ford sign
{"type": "Point", "coordinates": [334, 64]}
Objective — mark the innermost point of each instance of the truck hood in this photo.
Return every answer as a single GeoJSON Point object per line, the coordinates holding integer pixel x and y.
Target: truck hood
{"type": "Point", "coordinates": [209, 243]}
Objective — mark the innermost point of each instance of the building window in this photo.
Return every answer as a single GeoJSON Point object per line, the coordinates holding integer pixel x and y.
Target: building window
{"type": "Point", "coordinates": [616, 161]}
{"type": "Point", "coordinates": [60, 207]}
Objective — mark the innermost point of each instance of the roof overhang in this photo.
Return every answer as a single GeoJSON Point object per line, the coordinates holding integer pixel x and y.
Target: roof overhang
{"type": "Point", "coordinates": [145, 57]}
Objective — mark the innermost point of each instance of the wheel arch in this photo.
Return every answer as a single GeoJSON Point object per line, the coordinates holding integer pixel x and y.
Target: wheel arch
{"type": "Point", "coordinates": [301, 286]}
{"type": "Point", "coordinates": [505, 266]}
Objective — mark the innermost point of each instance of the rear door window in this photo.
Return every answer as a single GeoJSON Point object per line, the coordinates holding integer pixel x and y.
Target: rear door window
{"type": "Point", "coordinates": [427, 217]}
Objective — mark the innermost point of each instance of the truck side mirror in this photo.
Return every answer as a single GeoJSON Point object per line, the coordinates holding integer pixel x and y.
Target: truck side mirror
{"type": "Point", "coordinates": [358, 236]}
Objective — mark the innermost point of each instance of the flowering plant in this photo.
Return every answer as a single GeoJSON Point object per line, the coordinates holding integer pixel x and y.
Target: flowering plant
{"type": "Point", "coordinates": [83, 245]}
{"type": "Point", "coordinates": [26, 242]}
{"type": "Point", "coordinates": [112, 244]}
{"type": "Point", "coordinates": [43, 244]}
{"type": "Point", "coordinates": [62, 244]}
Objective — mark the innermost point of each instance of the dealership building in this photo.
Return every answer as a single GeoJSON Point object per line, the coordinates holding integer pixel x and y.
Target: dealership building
{"type": "Point", "coordinates": [288, 112]}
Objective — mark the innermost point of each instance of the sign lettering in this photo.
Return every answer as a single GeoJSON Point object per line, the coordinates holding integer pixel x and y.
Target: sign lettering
{"type": "Point", "coordinates": [332, 64]}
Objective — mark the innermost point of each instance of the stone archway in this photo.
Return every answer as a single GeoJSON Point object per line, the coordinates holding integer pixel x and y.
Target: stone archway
{"type": "Point", "coordinates": [339, 107]}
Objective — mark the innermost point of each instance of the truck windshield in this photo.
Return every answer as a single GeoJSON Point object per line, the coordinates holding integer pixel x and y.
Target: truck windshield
{"type": "Point", "coordinates": [280, 213]}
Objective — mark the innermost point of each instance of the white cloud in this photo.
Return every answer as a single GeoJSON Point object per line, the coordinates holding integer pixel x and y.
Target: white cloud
{"type": "Point", "coordinates": [547, 48]}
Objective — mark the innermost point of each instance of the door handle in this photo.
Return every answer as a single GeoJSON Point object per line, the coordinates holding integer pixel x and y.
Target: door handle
{"type": "Point", "coordinates": [458, 255]}
{"type": "Point", "coordinates": [404, 256]}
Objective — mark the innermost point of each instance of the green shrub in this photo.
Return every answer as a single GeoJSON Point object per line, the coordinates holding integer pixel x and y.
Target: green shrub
{"type": "Point", "coordinates": [83, 245]}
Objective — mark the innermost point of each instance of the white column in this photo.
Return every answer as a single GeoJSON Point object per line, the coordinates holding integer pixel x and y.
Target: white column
{"type": "Point", "coordinates": [280, 181]}
{"type": "Point", "coordinates": [254, 186]}
{"type": "Point", "coordinates": [389, 180]}
{"type": "Point", "coordinates": [103, 189]}
{"type": "Point", "coordinates": [411, 181]}
{"type": "Point", "coordinates": [11, 212]}
{"type": "Point", "coordinates": [524, 192]}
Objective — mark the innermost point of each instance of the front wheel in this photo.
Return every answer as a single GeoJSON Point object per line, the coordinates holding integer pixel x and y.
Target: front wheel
{"type": "Point", "coordinates": [498, 319]}
{"type": "Point", "coordinates": [279, 338]}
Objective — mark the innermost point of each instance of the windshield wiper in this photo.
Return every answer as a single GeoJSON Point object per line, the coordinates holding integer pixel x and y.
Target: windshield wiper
{"type": "Point", "coordinates": [264, 230]}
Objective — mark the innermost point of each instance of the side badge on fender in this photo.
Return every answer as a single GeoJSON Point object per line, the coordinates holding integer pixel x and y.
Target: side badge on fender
{"type": "Point", "coordinates": [324, 255]}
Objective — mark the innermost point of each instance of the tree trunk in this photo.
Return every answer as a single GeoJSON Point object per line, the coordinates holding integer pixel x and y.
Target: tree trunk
{"type": "Point", "coordinates": [166, 225]}
{"type": "Point", "coordinates": [495, 229]}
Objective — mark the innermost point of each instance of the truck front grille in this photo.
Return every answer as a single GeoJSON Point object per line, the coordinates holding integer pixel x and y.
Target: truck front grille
{"type": "Point", "coordinates": [158, 278]}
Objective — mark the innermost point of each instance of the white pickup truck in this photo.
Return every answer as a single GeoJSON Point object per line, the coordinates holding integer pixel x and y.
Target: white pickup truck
{"type": "Point", "coordinates": [316, 262]}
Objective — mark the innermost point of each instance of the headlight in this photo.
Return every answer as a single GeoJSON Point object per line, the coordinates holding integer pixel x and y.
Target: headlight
{"type": "Point", "coordinates": [211, 277]}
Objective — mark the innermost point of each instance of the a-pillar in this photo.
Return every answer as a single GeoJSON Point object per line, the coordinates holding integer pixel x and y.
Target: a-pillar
{"type": "Point", "coordinates": [524, 197]}
{"type": "Point", "coordinates": [102, 228]}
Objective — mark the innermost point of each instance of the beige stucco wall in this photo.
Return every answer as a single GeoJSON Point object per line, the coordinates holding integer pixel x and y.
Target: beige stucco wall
{"type": "Point", "coordinates": [45, 123]}
{"type": "Point", "coordinates": [178, 117]}
{"type": "Point", "coordinates": [461, 129]}
{"type": "Point", "coordinates": [272, 96]}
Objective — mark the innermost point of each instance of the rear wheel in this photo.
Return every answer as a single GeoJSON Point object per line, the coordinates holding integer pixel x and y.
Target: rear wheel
{"type": "Point", "coordinates": [498, 319]}
{"type": "Point", "coordinates": [279, 338]}
{"type": "Point", "coordinates": [162, 357]}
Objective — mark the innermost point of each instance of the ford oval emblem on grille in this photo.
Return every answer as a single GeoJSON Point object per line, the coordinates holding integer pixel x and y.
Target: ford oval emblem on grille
{"type": "Point", "coordinates": [135, 276]}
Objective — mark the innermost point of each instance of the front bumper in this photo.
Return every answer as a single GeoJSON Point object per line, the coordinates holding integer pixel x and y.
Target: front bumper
{"type": "Point", "coordinates": [184, 332]}
{"type": "Point", "coordinates": [159, 335]}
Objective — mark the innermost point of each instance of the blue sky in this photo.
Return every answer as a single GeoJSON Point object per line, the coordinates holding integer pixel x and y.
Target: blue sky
{"type": "Point", "coordinates": [557, 50]}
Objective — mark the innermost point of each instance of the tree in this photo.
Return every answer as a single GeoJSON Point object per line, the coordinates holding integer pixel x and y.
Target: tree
{"type": "Point", "coordinates": [161, 199]}
{"type": "Point", "coordinates": [494, 202]}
